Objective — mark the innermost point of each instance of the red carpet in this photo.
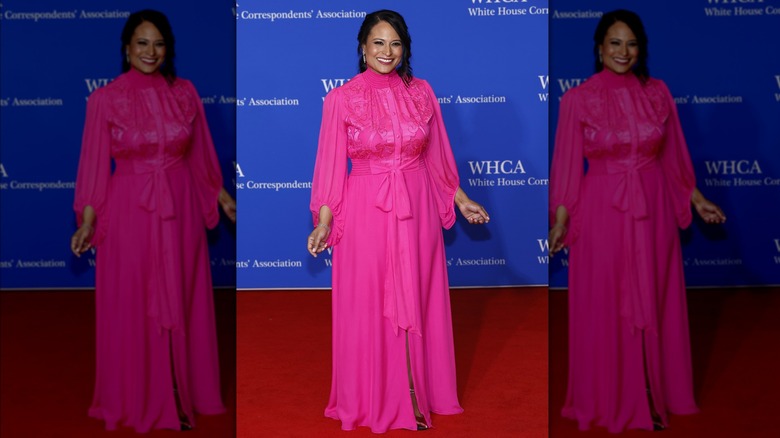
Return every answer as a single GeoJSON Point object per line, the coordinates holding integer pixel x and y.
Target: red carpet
{"type": "Point", "coordinates": [501, 353]}
{"type": "Point", "coordinates": [48, 363]}
{"type": "Point", "coordinates": [735, 338]}
{"type": "Point", "coordinates": [47, 352]}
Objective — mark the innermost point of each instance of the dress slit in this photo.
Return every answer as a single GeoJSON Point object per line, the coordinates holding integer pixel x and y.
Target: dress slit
{"type": "Point", "coordinates": [184, 417]}
{"type": "Point", "coordinates": [412, 393]}
{"type": "Point", "coordinates": [653, 410]}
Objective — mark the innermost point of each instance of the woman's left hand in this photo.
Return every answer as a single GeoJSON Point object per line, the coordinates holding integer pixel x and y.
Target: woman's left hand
{"type": "Point", "coordinates": [82, 239]}
{"type": "Point", "coordinates": [473, 212]}
{"type": "Point", "coordinates": [228, 204]}
{"type": "Point", "coordinates": [318, 239]}
{"type": "Point", "coordinates": [709, 212]}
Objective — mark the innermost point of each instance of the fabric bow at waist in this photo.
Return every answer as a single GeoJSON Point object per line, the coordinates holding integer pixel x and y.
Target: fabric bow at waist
{"type": "Point", "coordinates": [393, 195]}
{"type": "Point", "coordinates": [165, 298]}
{"type": "Point", "coordinates": [629, 194]}
{"type": "Point", "coordinates": [637, 297]}
{"type": "Point", "coordinates": [156, 195]}
{"type": "Point", "coordinates": [400, 302]}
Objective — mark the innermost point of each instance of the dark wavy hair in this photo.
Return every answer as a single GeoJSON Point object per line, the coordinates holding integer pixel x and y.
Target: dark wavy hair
{"type": "Point", "coordinates": [394, 19]}
{"type": "Point", "coordinates": [160, 21]}
{"type": "Point", "coordinates": [634, 23]}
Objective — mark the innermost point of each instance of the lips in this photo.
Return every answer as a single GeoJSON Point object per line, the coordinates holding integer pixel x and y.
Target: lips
{"type": "Point", "coordinates": [385, 61]}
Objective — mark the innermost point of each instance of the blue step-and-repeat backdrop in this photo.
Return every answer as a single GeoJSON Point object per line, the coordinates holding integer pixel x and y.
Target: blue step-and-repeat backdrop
{"type": "Point", "coordinates": [487, 63]}
{"type": "Point", "coordinates": [54, 54]}
{"type": "Point", "coordinates": [263, 67]}
{"type": "Point", "coordinates": [721, 61]}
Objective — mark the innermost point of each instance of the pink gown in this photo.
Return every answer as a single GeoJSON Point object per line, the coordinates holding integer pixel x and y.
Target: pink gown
{"type": "Point", "coordinates": [626, 285]}
{"type": "Point", "coordinates": [389, 267]}
{"type": "Point", "coordinates": [154, 297]}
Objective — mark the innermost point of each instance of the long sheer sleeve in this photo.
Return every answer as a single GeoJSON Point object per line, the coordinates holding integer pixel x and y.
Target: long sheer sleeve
{"type": "Point", "coordinates": [203, 163]}
{"type": "Point", "coordinates": [94, 169]}
{"type": "Point", "coordinates": [440, 162]}
{"type": "Point", "coordinates": [330, 168]}
{"type": "Point", "coordinates": [677, 166]}
{"type": "Point", "coordinates": [567, 169]}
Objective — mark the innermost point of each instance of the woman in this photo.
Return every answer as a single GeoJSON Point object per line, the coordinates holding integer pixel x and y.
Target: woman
{"type": "Point", "coordinates": [393, 357]}
{"type": "Point", "coordinates": [629, 353]}
{"type": "Point", "coordinates": [157, 362]}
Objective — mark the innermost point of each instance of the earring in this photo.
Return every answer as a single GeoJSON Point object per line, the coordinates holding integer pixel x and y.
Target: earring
{"type": "Point", "coordinates": [364, 57]}
{"type": "Point", "coordinates": [600, 60]}
{"type": "Point", "coordinates": [127, 57]}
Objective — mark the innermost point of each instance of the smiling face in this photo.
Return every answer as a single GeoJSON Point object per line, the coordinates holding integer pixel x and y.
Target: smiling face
{"type": "Point", "coordinates": [146, 51]}
{"type": "Point", "coordinates": [620, 48]}
{"type": "Point", "coordinates": [383, 48]}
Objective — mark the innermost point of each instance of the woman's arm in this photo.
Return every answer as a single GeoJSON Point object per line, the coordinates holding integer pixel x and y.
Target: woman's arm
{"type": "Point", "coordinates": [558, 230]}
{"type": "Point", "coordinates": [228, 204]}
{"type": "Point", "coordinates": [710, 212]}
{"type": "Point", "coordinates": [318, 238]}
{"type": "Point", "coordinates": [472, 211]}
{"type": "Point", "coordinates": [82, 238]}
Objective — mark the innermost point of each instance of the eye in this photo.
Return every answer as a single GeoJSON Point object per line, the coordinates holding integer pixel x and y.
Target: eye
{"type": "Point", "coordinates": [396, 44]}
{"type": "Point", "coordinates": [160, 44]}
{"type": "Point", "coordinates": [379, 43]}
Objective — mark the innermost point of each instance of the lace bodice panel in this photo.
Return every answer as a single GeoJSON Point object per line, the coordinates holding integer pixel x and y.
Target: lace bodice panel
{"type": "Point", "coordinates": [622, 117]}
{"type": "Point", "coordinates": [380, 117]}
{"type": "Point", "coordinates": [143, 112]}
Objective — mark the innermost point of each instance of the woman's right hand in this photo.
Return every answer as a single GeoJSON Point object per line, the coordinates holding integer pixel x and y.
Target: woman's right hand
{"type": "Point", "coordinates": [228, 204]}
{"type": "Point", "coordinates": [81, 240]}
{"type": "Point", "coordinates": [555, 238]}
{"type": "Point", "coordinates": [317, 241]}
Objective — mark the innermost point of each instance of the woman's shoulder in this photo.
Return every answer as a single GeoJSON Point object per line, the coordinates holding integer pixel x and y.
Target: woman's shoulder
{"type": "Point", "coordinates": [353, 88]}
{"type": "Point", "coordinates": [349, 87]}
{"type": "Point", "coordinates": [577, 87]}
{"type": "Point", "coordinates": [110, 92]}
{"type": "Point", "coordinates": [356, 82]}
{"type": "Point", "coordinates": [593, 83]}
{"type": "Point", "coordinates": [116, 85]}
{"type": "Point", "coordinates": [336, 96]}
{"type": "Point", "coordinates": [420, 82]}
{"type": "Point", "coordinates": [421, 85]}
{"type": "Point", "coordinates": [586, 98]}
{"type": "Point", "coordinates": [576, 92]}
{"type": "Point", "coordinates": [184, 84]}
{"type": "Point", "coordinates": [657, 85]}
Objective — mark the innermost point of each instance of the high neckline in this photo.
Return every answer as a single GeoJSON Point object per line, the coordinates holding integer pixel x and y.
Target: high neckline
{"type": "Point", "coordinates": [617, 80]}
{"type": "Point", "coordinates": [379, 80]}
{"type": "Point", "coordinates": [145, 80]}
